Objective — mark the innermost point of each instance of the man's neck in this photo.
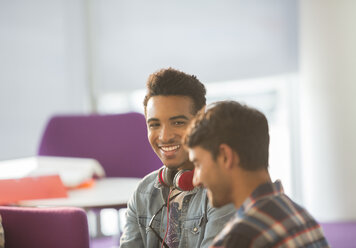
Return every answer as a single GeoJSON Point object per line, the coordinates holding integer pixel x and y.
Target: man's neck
{"type": "Point", "coordinates": [186, 166]}
{"type": "Point", "coordinates": [246, 182]}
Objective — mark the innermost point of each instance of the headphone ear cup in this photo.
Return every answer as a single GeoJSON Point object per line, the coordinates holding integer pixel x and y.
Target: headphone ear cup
{"type": "Point", "coordinates": [183, 180]}
{"type": "Point", "coordinates": [165, 176]}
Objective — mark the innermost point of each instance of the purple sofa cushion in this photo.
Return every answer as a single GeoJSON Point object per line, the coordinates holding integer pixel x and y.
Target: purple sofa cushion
{"type": "Point", "coordinates": [1, 234]}
{"type": "Point", "coordinates": [45, 227]}
{"type": "Point", "coordinates": [340, 234]}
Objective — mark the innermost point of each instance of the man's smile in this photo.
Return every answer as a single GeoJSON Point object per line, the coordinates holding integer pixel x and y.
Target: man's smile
{"type": "Point", "coordinates": [170, 148]}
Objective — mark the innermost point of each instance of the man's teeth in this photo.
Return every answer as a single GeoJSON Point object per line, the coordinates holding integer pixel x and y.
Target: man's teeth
{"type": "Point", "coordinates": [169, 148]}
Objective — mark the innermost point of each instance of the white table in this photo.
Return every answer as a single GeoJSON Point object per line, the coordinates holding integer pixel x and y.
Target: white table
{"type": "Point", "coordinates": [105, 193]}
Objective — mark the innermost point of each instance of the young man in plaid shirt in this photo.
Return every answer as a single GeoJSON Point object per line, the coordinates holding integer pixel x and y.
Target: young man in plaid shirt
{"type": "Point", "coordinates": [228, 144]}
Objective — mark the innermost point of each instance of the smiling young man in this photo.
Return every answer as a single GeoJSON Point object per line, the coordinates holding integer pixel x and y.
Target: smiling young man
{"type": "Point", "coordinates": [166, 210]}
{"type": "Point", "coordinates": [228, 144]}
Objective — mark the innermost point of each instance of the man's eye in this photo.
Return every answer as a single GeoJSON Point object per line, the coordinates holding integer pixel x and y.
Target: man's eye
{"type": "Point", "coordinates": [179, 123]}
{"type": "Point", "coordinates": [153, 125]}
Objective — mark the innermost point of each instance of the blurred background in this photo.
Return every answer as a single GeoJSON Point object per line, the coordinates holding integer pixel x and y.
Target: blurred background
{"type": "Point", "coordinates": [292, 59]}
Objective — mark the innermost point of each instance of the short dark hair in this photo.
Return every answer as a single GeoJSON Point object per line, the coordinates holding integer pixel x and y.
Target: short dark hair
{"type": "Point", "coordinates": [167, 82]}
{"type": "Point", "coordinates": [243, 128]}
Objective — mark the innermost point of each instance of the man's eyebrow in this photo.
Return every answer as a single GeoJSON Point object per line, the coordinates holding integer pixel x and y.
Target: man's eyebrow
{"type": "Point", "coordinates": [152, 119]}
{"type": "Point", "coordinates": [171, 118]}
{"type": "Point", "coordinates": [179, 117]}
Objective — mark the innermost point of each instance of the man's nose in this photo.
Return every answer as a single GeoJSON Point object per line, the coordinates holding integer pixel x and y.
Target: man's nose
{"type": "Point", "coordinates": [166, 134]}
{"type": "Point", "coordinates": [196, 178]}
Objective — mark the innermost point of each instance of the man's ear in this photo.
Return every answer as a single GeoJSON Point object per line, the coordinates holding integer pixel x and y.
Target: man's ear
{"type": "Point", "coordinates": [228, 156]}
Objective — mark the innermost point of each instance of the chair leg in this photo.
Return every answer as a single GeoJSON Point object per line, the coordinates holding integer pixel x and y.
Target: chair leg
{"type": "Point", "coordinates": [94, 221]}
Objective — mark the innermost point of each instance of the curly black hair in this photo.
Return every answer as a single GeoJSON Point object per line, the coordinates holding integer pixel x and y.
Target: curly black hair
{"type": "Point", "coordinates": [167, 82]}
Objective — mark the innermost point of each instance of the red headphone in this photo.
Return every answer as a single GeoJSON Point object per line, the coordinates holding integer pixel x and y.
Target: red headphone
{"type": "Point", "coordinates": [182, 179]}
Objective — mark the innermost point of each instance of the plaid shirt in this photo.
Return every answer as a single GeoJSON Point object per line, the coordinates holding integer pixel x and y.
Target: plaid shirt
{"type": "Point", "coordinates": [269, 218]}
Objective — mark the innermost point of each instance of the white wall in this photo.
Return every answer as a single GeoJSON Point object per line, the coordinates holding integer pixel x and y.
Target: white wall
{"type": "Point", "coordinates": [328, 110]}
{"type": "Point", "coordinates": [218, 40]}
{"type": "Point", "coordinates": [42, 69]}
{"type": "Point", "coordinates": [51, 50]}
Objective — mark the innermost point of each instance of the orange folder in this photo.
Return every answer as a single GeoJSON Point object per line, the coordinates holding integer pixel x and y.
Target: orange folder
{"type": "Point", "coordinates": [30, 188]}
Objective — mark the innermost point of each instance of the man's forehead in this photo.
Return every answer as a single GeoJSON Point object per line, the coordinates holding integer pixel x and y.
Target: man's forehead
{"type": "Point", "coordinates": [194, 152]}
{"type": "Point", "coordinates": [191, 154]}
{"type": "Point", "coordinates": [169, 106]}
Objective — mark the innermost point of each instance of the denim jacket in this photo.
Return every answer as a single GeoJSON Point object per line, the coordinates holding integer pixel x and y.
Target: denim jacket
{"type": "Point", "coordinates": [200, 225]}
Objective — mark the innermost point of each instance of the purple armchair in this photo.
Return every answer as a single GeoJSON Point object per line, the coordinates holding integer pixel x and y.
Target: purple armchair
{"type": "Point", "coordinates": [45, 227]}
{"type": "Point", "coordinates": [119, 142]}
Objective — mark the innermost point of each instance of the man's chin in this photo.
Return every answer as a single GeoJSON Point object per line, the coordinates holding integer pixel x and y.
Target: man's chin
{"type": "Point", "coordinates": [173, 163]}
{"type": "Point", "coordinates": [173, 166]}
{"type": "Point", "coordinates": [216, 204]}
{"type": "Point", "coordinates": [213, 201]}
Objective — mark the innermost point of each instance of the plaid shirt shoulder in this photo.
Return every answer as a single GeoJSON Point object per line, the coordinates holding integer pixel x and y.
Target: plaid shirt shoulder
{"type": "Point", "coordinates": [269, 218]}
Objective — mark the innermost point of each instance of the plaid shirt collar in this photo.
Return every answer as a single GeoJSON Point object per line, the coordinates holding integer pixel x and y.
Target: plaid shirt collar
{"type": "Point", "coordinates": [262, 191]}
